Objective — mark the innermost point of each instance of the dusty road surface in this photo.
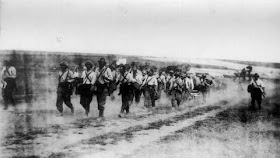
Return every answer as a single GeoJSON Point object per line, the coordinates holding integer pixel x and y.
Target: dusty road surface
{"type": "Point", "coordinates": [221, 127]}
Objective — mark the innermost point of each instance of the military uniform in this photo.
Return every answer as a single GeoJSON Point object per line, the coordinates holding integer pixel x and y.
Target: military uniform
{"type": "Point", "coordinates": [127, 91]}
{"type": "Point", "coordinates": [176, 89]}
{"type": "Point", "coordinates": [189, 86]}
{"type": "Point", "coordinates": [149, 87]}
{"type": "Point", "coordinates": [137, 81]}
{"type": "Point", "coordinates": [86, 88]}
{"type": "Point", "coordinates": [64, 90]}
{"type": "Point", "coordinates": [104, 77]}
{"type": "Point", "coordinates": [161, 84]}
{"type": "Point", "coordinates": [257, 90]}
{"type": "Point", "coordinates": [204, 88]}
{"type": "Point", "coordinates": [113, 84]}
{"type": "Point", "coordinates": [8, 76]}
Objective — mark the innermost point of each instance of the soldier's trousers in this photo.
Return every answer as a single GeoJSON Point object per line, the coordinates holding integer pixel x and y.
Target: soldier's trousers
{"type": "Point", "coordinates": [137, 93]}
{"type": "Point", "coordinates": [127, 98]}
{"type": "Point", "coordinates": [86, 96]}
{"type": "Point", "coordinates": [176, 98]}
{"type": "Point", "coordinates": [102, 92]}
{"type": "Point", "coordinates": [149, 96]}
{"type": "Point", "coordinates": [8, 96]}
{"type": "Point", "coordinates": [256, 96]}
{"type": "Point", "coordinates": [160, 88]}
{"type": "Point", "coordinates": [63, 96]}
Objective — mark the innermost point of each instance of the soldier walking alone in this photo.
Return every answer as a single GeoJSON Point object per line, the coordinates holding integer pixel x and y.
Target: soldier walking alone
{"type": "Point", "coordinates": [86, 89]}
{"type": "Point", "coordinates": [8, 76]}
{"type": "Point", "coordinates": [64, 89]}
{"type": "Point", "coordinates": [104, 77]}
{"type": "Point", "coordinates": [257, 90]}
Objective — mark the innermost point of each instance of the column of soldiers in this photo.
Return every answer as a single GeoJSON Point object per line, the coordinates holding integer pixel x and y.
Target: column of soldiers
{"type": "Point", "coordinates": [103, 80]}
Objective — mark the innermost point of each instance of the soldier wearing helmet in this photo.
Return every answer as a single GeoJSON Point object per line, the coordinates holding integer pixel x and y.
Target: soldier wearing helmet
{"type": "Point", "coordinates": [64, 89]}
{"type": "Point", "coordinates": [257, 90]}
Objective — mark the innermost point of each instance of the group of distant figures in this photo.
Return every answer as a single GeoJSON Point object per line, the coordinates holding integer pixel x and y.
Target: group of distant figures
{"type": "Point", "coordinates": [132, 83]}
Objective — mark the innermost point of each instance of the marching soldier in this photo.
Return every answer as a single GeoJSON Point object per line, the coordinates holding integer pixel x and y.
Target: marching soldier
{"type": "Point", "coordinates": [257, 90]}
{"type": "Point", "coordinates": [113, 84]}
{"type": "Point", "coordinates": [86, 88]}
{"type": "Point", "coordinates": [137, 81]}
{"type": "Point", "coordinates": [64, 89]}
{"type": "Point", "coordinates": [204, 87]}
{"type": "Point", "coordinates": [169, 77]}
{"type": "Point", "coordinates": [8, 76]}
{"type": "Point", "coordinates": [149, 87]}
{"type": "Point", "coordinates": [176, 89]}
{"type": "Point", "coordinates": [127, 89]}
{"type": "Point", "coordinates": [161, 84]}
{"type": "Point", "coordinates": [104, 77]}
{"type": "Point", "coordinates": [189, 85]}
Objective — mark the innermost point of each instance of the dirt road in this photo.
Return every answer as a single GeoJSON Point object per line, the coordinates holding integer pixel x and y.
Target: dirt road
{"type": "Point", "coordinates": [196, 129]}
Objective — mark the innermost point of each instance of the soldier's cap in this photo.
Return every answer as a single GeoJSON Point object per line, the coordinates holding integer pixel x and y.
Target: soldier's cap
{"type": "Point", "coordinates": [89, 63]}
{"type": "Point", "coordinates": [102, 60]}
{"type": "Point", "coordinates": [256, 75]}
{"type": "Point", "coordinates": [133, 63]}
{"type": "Point", "coordinates": [171, 71]}
{"type": "Point", "coordinates": [64, 63]}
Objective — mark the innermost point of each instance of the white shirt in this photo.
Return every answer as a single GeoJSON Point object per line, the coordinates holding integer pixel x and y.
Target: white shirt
{"type": "Point", "coordinates": [257, 84]}
{"type": "Point", "coordinates": [106, 75]}
{"type": "Point", "coordinates": [9, 72]}
{"type": "Point", "coordinates": [89, 77]}
{"type": "Point", "coordinates": [66, 76]}
{"type": "Point", "coordinates": [189, 83]}
{"type": "Point", "coordinates": [150, 80]}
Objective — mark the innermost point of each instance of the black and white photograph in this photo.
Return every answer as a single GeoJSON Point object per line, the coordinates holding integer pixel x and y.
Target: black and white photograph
{"type": "Point", "coordinates": [139, 78]}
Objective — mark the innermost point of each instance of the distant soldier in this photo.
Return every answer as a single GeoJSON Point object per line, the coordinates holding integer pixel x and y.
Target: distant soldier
{"type": "Point", "coordinates": [176, 89]}
{"type": "Point", "coordinates": [204, 87]}
{"type": "Point", "coordinates": [87, 86]}
{"type": "Point", "coordinates": [8, 80]}
{"type": "Point", "coordinates": [257, 90]}
{"type": "Point", "coordinates": [137, 81]}
{"type": "Point", "coordinates": [115, 80]}
{"type": "Point", "coordinates": [161, 84]}
{"type": "Point", "coordinates": [64, 89]}
{"type": "Point", "coordinates": [127, 89]}
{"type": "Point", "coordinates": [104, 77]}
{"type": "Point", "coordinates": [149, 87]}
{"type": "Point", "coordinates": [169, 77]}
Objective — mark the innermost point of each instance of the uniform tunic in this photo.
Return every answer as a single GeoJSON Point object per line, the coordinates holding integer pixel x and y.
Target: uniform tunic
{"type": "Point", "coordinates": [64, 90]}
{"type": "Point", "coordinates": [127, 91]}
{"type": "Point", "coordinates": [256, 93]}
{"type": "Point", "coordinates": [150, 84]}
{"type": "Point", "coordinates": [104, 76]}
{"type": "Point", "coordinates": [176, 88]}
{"type": "Point", "coordinates": [8, 75]}
{"type": "Point", "coordinates": [137, 80]}
{"type": "Point", "coordinates": [89, 79]}
{"type": "Point", "coordinates": [161, 85]}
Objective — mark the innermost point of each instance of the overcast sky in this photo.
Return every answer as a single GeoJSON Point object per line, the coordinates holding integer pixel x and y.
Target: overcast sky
{"type": "Point", "coordinates": [229, 29]}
